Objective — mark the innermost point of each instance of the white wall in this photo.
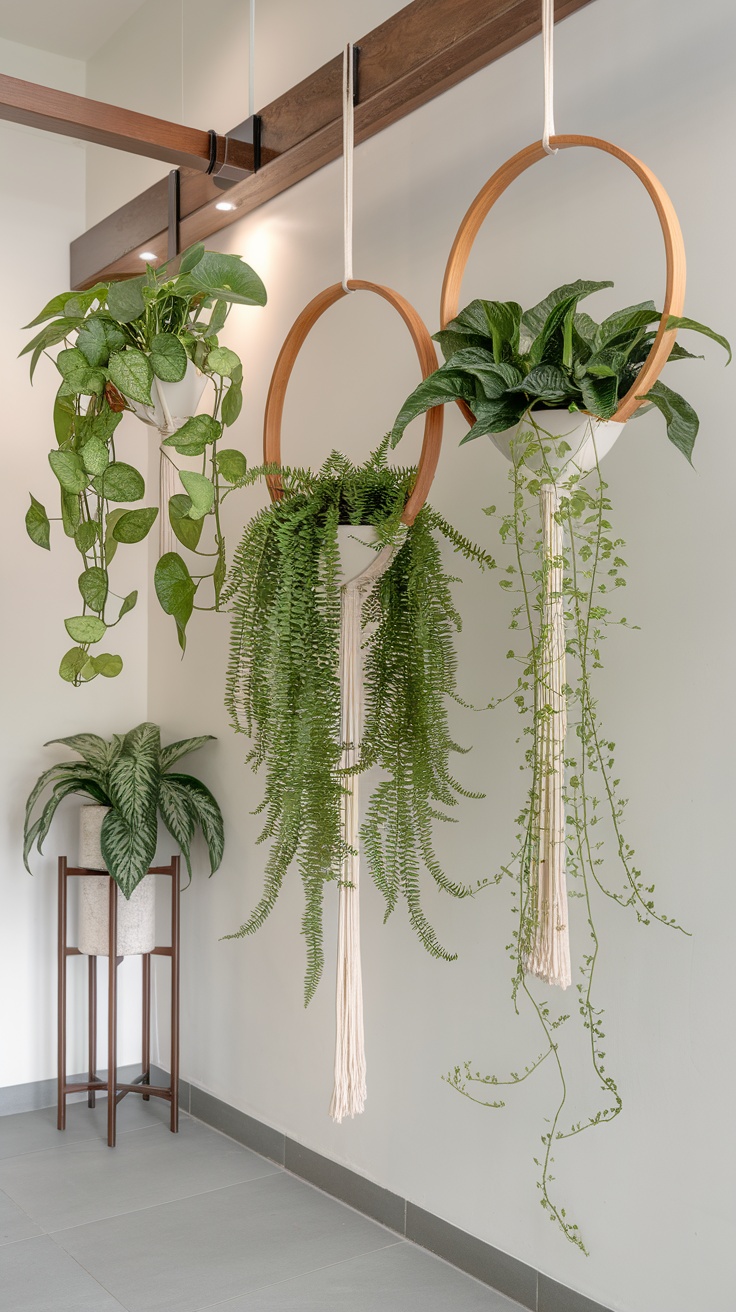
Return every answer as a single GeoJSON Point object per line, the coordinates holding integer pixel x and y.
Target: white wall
{"type": "Point", "coordinates": [653, 1193]}
{"type": "Point", "coordinates": [43, 208]}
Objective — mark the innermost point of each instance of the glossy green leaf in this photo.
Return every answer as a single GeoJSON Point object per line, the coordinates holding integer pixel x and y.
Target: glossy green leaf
{"type": "Point", "coordinates": [682, 322]}
{"type": "Point", "coordinates": [103, 425]}
{"type": "Point", "coordinates": [187, 530]}
{"type": "Point", "coordinates": [38, 527]}
{"type": "Point", "coordinates": [447, 384]}
{"type": "Point", "coordinates": [129, 846]}
{"type": "Point", "coordinates": [68, 469]}
{"type": "Point", "coordinates": [193, 436]}
{"type": "Point", "coordinates": [108, 665]}
{"type": "Point", "coordinates": [682, 421]}
{"type": "Point", "coordinates": [93, 586]}
{"type": "Point", "coordinates": [51, 335]}
{"type": "Point", "coordinates": [72, 663]}
{"type": "Point", "coordinates": [92, 342]}
{"type": "Point", "coordinates": [95, 456]}
{"type": "Point", "coordinates": [222, 361]}
{"type": "Point", "coordinates": [201, 492]}
{"type": "Point", "coordinates": [175, 591]}
{"type": "Point", "coordinates": [111, 545]}
{"type": "Point", "coordinates": [168, 357]}
{"type": "Point", "coordinates": [191, 256]}
{"type": "Point", "coordinates": [134, 525]}
{"type": "Point", "coordinates": [132, 374]}
{"type": "Point", "coordinates": [534, 320]}
{"type": "Point", "coordinates": [70, 512]}
{"type": "Point", "coordinates": [85, 628]}
{"type": "Point", "coordinates": [86, 535]}
{"type": "Point", "coordinates": [546, 382]}
{"type": "Point", "coordinates": [231, 464]}
{"type": "Point", "coordinates": [232, 404]}
{"type": "Point", "coordinates": [79, 377]}
{"type": "Point", "coordinates": [125, 299]}
{"type": "Point", "coordinates": [226, 277]}
{"type": "Point", "coordinates": [208, 815]}
{"type": "Point", "coordinates": [174, 752]}
{"type": "Point", "coordinates": [51, 310]}
{"type": "Point", "coordinates": [217, 318]}
{"type": "Point", "coordinates": [178, 815]}
{"type": "Point", "coordinates": [64, 416]}
{"type": "Point", "coordinates": [128, 603]}
{"type": "Point", "coordinates": [120, 482]}
{"type": "Point", "coordinates": [600, 395]}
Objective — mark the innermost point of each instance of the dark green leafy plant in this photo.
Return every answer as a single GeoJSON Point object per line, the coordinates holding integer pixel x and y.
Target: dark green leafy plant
{"type": "Point", "coordinates": [283, 687]}
{"type": "Point", "coordinates": [502, 361]}
{"type": "Point", "coordinates": [132, 775]}
{"type": "Point", "coordinates": [117, 338]}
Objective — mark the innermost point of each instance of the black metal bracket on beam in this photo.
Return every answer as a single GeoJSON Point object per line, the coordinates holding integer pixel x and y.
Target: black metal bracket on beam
{"type": "Point", "coordinates": [356, 75]}
{"type": "Point", "coordinates": [249, 132]}
{"type": "Point", "coordinates": [174, 213]}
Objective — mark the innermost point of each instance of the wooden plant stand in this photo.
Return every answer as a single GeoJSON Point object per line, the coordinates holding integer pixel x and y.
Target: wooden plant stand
{"type": "Point", "coordinates": [142, 1083]}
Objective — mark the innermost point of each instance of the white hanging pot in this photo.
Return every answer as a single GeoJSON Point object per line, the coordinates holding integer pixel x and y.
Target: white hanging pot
{"type": "Point", "coordinates": [173, 403]}
{"type": "Point", "coordinates": [356, 545]}
{"type": "Point", "coordinates": [136, 914]}
{"type": "Point", "coordinates": [588, 438]}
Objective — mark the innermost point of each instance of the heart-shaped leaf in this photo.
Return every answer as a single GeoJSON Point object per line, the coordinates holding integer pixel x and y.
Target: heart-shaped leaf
{"type": "Point", "coordinates": [222, 361]}
{"type": "Point", "coordinates": [232, 403]}
{"type": "Point", "coordinates": [95, 456]}
{"type": "Point", "coordinates": [119, 482]}
{"type": "Point", "coordinates": [93, 587]}
{"type": "Point", "coordinates": [201, 491]}
{"type": "Point", "coordinates": [72, 663]}
{"type": "Point", "coordinates": [68, 469]}
{"type": "Point", "coordinates": [107, 665]}
{"type": "Point", "coordinates": [132, 374]}
{"type": "Point", "coordinates": [187, 530]}
{"type": "Point", "coordinates": [231, 464]}
{"type": "Point", "coordinates": [125, 299]}
{"type": "Point", "coordinates": [85, 628]}
{"type": "Point", "coordinates": [193, 436]}
{"type": "Point", "coordinates": [37, 524]}
{"type": "Point", "coordinates": [175, 591]}
{"type": "Point", "coordinates": [168, 357]}
{"type": "Point", "coordinates": [134, 524]}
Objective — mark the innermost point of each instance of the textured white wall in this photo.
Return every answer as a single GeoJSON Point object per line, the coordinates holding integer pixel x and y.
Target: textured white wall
{"type": "Point", "coordinates": [653, 1193]}
{"type": "Point", "coordinates": [43, 208]}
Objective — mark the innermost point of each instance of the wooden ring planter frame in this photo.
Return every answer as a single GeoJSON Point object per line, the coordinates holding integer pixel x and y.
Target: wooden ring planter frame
{"type": "Point", "coordinates": [287, 357]}
{"type": "Point", "coordinates": [673, 245]}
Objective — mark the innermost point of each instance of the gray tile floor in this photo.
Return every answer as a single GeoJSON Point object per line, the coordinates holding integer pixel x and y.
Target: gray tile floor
{"type": "Point", "coordinates": [190, 1222]}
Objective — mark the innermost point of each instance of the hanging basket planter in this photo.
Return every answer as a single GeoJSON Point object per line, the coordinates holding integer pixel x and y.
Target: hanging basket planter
{"type": "Point", "coordinates": [342, 657]}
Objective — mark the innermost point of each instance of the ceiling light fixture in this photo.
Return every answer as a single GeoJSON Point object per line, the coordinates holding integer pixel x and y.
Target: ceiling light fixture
{"type": "Point", "coordinates": [149, 256]}
{"type": "Point", "coordinates": [224, 205]}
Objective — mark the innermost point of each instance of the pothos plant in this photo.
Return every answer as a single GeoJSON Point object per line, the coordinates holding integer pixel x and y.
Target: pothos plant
{"type": "Point", "coordinates": [132, 775]}
{"type": "Point", "coordinates": [512, 368]}
{"type": "Point", "coordinates": [283, 688]}
{"type": "Point", "coordinates": [118, 339]}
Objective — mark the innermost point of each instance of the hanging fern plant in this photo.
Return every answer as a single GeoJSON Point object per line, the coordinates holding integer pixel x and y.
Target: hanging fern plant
{"type": "Point", "coordinates": [283, 687]}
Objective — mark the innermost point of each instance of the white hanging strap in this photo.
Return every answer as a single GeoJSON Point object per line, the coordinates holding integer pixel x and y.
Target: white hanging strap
{"type": "Point", "coordinates": [548, 29]}
{"type": "Point", "coordinates": [251, 58]}
{"type": "Point", "coordinates": [348, 141]}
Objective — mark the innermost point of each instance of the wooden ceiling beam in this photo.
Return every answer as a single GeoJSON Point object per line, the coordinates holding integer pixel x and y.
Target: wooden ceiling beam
{"type": "Point", "coordinates": [122, 129]}
{"type": "Point", "coordinates": [426, 48]}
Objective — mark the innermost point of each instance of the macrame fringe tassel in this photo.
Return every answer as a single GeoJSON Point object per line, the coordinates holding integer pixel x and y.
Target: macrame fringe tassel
{"type": "Point", "coordinates": [349, 1094]}
{"type": "Point", "coordinates": [549, 958]}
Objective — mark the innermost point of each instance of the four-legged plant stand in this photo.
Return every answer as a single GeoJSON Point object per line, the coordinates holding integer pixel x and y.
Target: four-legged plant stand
{"type": "Point", "coordinates": [142, 1083]}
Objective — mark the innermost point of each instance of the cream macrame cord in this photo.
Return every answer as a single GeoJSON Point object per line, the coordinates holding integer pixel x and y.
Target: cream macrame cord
{"type": "Point", "coordinates": [348, 144]}
{"type": "Point", "coordinates": [548, 49]}
{"type": "Point", "coordinates": [349, 1093]}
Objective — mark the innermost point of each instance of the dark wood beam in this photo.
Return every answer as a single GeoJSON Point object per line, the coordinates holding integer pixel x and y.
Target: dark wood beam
{"type": "Point", "coordinates": [426, 48]}
{"type": "Point", "coordinates": [107, 125]}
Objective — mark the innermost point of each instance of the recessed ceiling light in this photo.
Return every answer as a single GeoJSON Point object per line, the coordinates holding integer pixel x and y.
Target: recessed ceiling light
{"type": "Point", "coordinates": [224, 205]}
{"type": "Point", "coordinates": [149, 256]}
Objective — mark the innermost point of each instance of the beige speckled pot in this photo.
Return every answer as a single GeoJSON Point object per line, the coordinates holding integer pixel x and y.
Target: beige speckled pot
{"type": "Point", "coordinates": [136, 914]}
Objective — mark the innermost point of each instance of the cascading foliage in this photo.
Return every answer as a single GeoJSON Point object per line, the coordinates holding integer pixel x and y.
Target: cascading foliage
{"type": "Point", "coordinates": [283, 688]}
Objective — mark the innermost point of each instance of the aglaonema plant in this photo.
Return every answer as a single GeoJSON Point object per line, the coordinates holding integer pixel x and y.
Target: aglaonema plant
{"type": "Point", "coordinates": [118, 340]}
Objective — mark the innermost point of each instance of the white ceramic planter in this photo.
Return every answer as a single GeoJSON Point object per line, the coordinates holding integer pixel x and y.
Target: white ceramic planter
{"type": "Point", "coordinates": [587, 437]}
{"type": "Point", "coordinates": [136, 914]}
{"type": "Point", "coordinates": [355, 543]}
{"type": "Point", "coordinates": [173, 403]}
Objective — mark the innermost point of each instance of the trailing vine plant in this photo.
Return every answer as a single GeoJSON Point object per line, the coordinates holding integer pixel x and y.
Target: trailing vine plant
{"type": "Point", "coordinates": [118, 340]}
{"type": "Point", "coordinates": [510, 367]}
{"type": "Point", "coordinates": [283, 687]}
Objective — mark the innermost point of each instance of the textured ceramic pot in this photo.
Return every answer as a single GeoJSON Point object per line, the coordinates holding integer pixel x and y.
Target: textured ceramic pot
{"type": "Point", "coordinates": [588, 438]}
{"type": "Point", "coordinates": [173, 403]}
{"type": "Point", "coordinates": [136, 914]}
{"type": "Point", "coordinates": [356, 544]}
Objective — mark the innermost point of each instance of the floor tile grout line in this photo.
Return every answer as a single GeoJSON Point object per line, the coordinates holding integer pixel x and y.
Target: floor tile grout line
{"type": "Point", "coordinates": [87, 1272]}
{"type": "Point", "coordinates": [274, 1284]}
{"type": "Point", "coordinates": [164, 1202]}
{"type": "Point", "coordinates": [71, 1145]}
{"type": "Point", "coordinates": [24, 1213]}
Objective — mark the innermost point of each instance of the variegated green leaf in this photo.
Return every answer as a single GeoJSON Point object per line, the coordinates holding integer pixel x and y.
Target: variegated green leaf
{"type": "Point", "coordinates": [95, 750]}
{"type": "Point", "coordinates": [208, 815]}
{"type": "Point", "coordinates": [134, 776]}
{"type": "Point", "coordinates": [174, 751]}
{"type": "Point", "coordinates": [178, 814]}
{"type": "Point", "coordinates": [128, 847]}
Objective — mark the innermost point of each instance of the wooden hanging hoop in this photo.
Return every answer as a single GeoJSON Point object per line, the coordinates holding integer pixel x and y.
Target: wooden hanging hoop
{"type": "Point", "coordinates": [673, 244]}
{"type": "Point", "coordinates": [293, 343]}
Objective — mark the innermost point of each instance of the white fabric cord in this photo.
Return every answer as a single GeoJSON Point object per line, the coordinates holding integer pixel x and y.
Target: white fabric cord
{"type": "Point", "coordinates": [168, 486]}
{"type": "Point", "coordinates": [349, 1093]}
{"type": "Point", "coordinates": [548, 29]}
{"type": "Point", "coordinates": [549, 958]}
{"type": "Point", "coordinates": [251, 58]}
{"type": "Point", "coordinates": [348, 141]}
